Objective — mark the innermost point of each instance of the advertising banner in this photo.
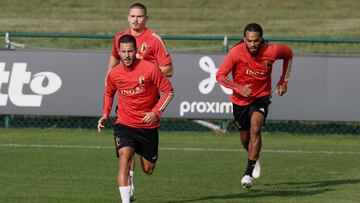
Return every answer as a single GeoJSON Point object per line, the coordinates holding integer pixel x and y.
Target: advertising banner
{"type": "Point", "coordinates": [71, 83]}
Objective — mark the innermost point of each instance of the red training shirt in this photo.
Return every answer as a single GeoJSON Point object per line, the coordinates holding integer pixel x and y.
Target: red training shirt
{"type": "Point", "coordinates": [149, 46]}
{"type": "Point", "coordinates": [138, 89]}
{"type": "Point", "coordinates": [253, 70]}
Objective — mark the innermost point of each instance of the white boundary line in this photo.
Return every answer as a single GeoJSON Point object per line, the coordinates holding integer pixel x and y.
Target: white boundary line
{"type": "Point", "coordinates": [173, 149]}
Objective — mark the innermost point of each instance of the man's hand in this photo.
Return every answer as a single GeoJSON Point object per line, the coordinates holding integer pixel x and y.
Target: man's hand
{"type": "Point", "coordinates": [244, 90]}
{"type": "Point", "coordinates": [281, 89]}
{"type": "Point", "coordinates": [149, 117]}
{"type": "Point", "coordinates": [102, 122]}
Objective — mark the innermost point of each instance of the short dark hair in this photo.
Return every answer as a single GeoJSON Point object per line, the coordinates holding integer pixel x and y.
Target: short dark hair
{"type": "Point", "coordinates": [253, 27]}
{"type": "Point", "coordinates": [140, 6]}
{"type": "Point", "coordinates": [127, 39]}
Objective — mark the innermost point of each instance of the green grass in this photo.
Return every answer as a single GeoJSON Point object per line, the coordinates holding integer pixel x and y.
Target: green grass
{"type": "Point", "coordinates": [293, 18]}
{"type": "Point", "coordinates": [54, 165]}
{"type": "Point", "coordinates": [322, 18]}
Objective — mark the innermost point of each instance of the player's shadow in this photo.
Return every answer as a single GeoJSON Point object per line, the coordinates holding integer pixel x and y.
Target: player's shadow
{"type": "Point", "coordinates": [317, 184]}
{"type": "Point", "coordinates": [286, 189]}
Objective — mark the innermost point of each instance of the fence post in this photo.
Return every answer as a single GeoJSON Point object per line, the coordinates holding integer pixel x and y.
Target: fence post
{"type": "Point", "coordinates": [225, 44]}
{"type": "Point", "coordinates": [225, 123]}
{"type": "Point", "coordinates": [7, 121]}
{"type": "Point", "coordinates": [7, 41]}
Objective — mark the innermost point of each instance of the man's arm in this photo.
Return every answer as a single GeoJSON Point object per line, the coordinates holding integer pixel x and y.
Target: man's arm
{"type": "Point", "coordinates": [222, 77]}
{"type": "Point", "coordinates": [162, 56]}
{"type": "Point", "coordinates": [102, 122]}
{"type": "Point", "coordinates": [168, 70]}
{"type": "Point", "coordinates": [108, 99]}
{"type": "Point", "coordinates": [114, 58]}
{"type": "Point", "coordinates": [112, 63]}
{"type": "Point", "coordinates": [165, 87]}
{"type": "Point", "coordinates": [286, 54]}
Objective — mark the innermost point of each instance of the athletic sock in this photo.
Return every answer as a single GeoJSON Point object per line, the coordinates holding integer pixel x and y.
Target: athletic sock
{"type": "Point", "coordinates": [131, 174]}
{"type": "Point", "coordinates": [125, 193]}
{"type": "Point", "coordinates": [250, 167]}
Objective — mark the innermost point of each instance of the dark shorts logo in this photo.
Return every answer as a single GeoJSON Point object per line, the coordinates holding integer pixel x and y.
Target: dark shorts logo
{"type": "Point", "coordinates": [117, 141]}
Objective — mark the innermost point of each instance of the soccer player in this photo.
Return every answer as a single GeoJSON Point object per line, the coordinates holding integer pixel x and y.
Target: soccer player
{"type": "Point", "coordinates": [250, 63]}
{"type": "Point", "coordinates": [138, 83]}
{"type": "Point", "coordinates": [149, 47]}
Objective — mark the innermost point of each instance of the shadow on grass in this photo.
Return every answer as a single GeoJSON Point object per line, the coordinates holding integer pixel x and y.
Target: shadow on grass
{"type": "Point", "coordinates": [287, 189]}
{"type": "Point", "coordinates": [315, 184]}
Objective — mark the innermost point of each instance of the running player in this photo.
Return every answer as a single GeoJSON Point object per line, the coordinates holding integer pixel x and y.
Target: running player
{"type": "Point", "coordinates": [250, 62]}
{"type": "Point", "coordinates": [138, 83]}
{"type": "Point", "coordinates": [150, 47]}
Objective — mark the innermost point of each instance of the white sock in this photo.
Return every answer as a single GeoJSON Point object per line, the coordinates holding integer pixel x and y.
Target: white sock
{"type": "Point", "coordinates": [131, 173]}
{"type": "Point", "coordinates": [125, 193]}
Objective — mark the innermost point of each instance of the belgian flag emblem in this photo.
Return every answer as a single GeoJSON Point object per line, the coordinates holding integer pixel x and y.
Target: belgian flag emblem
{"type": "Point", "coordinates": [141, 80]}
{"type": "Point", "coordinates": [144, 47]}
{"type": "Point", "coordinates": [268, 64]}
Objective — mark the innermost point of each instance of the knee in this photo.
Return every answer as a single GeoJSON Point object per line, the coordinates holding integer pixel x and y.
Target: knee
{"type": "Point", "coordinates": [149, 169]}
{"type": "Point", "coordinates": [256, 129]}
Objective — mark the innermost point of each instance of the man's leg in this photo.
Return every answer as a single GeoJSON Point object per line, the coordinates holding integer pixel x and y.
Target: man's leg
{"type": "Point", "coordinates": [147, 166]}
{"type": "Point", "coordinates": [245, 138]}
{"type": "Point", "coordinates": [131, 174]}
{"type": "Point", "coordinates": [125, 156]}
{"type": "Point", "coordinates": [148, 148]}
{"type": "Point", "coordinates": [257, 121]}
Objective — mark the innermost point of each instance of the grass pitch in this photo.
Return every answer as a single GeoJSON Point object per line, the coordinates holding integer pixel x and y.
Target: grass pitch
{"type": "Point", "coordinates": [287, 19]}
{"type": "Point", "coordinates": [64, 165]}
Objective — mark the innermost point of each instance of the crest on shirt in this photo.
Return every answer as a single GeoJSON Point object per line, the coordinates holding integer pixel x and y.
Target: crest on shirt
{"type": "Point", "coordinates": [143, 47]}
{"type": "Point", "coordinates": [141, 80]}
{"type": "Point", "coordinates": [268, 64]}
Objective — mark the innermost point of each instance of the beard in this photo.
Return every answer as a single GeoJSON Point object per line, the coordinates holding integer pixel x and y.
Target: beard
{"type": "Point", "coordinates": [253, 51]}
{"type": "Point", "coordinates": [127, 62]}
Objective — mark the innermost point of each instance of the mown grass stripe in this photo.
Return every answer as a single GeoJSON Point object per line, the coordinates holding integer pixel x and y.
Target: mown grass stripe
{"type": "Point", "coordinates": [176, 149]}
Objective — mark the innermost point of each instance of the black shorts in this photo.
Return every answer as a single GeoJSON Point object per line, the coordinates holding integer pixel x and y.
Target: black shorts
{"type": "Point", "coordinates": [242, 114]}
{"type": "Point", "coordinates": [144, 141]}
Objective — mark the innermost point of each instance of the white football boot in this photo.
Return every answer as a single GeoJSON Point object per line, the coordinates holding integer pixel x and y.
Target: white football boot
{"type": "Point", "coordinates": [257, 170]}
{"type": "Point", "coordinates": [246, 182]}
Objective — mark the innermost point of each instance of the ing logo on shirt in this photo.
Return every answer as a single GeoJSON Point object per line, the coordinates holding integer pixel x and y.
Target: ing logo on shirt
{"type": "Point", "coordinates": [141, 80]}
{"type": "Point", "coordinates": [137, 90]}
{"type": "Point", "coordinates": [143, 47]}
